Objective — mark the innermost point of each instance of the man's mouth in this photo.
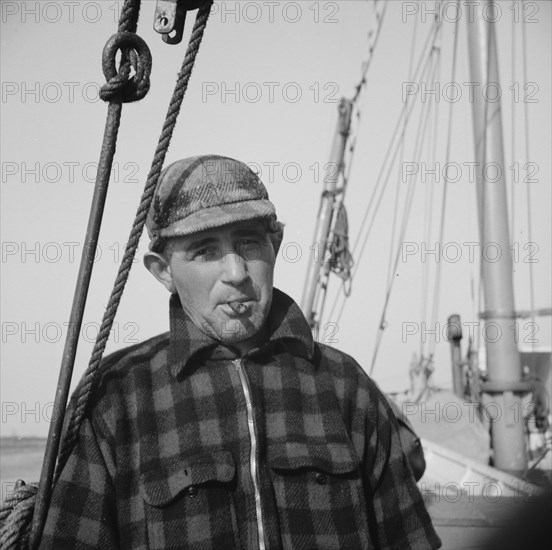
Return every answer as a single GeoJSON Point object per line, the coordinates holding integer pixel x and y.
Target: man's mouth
{"type": "Point", "coordinates": [238, 307]}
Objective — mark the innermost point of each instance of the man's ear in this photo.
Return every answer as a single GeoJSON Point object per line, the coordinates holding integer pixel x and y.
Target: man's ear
{"type": "Point", "coordinates": [161, 269]}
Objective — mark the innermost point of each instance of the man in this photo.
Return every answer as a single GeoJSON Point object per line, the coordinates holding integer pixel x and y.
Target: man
{"type": "Point", "coordinates": [410, 442]}
{"type": "Point", "coordinates": [235, 429]}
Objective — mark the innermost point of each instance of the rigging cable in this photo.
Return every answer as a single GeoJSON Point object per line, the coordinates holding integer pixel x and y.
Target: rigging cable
{"type": "Point", "coordinates": [391, 151]}
{"type": "Point", "coordinates": [136, 231]}
{"type": "Point", "coordinates": [406, 214]}
{"type": "Point", "coordinates": [24, 512]}
{"type": "Point", "coordinates": [438, 270]}
{"type": "Point", "coordinates": [16, 513]}
{"type": "Point", "coordinates": [405, 112]}
{"type": "Point", "coordinates": [399, 173]}
{"type": "Point", "coordinates": [432, 143]}
{"type": "Point", "coordinates": [513, 135]}
{"type": "Point", "coordinates": [527, 179]}
{"type": "Point", "coordinates": [360, 89]}
{"type": "Point", "coordinates": [345, 168]}
{"type": "Point", "coordinates": [371, 46]}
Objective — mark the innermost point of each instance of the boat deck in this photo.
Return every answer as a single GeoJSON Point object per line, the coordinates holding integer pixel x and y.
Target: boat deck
{"type": "Point", "coordinates": [475, 506]}
{"type": "Point", "coordinates": [468, 523]}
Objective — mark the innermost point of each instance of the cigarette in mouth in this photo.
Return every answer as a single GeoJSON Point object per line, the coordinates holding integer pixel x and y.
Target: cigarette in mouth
{"type": "Point", "coordinates": [237, 307]}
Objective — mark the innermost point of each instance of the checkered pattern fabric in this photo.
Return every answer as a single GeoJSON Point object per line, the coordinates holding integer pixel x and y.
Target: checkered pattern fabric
{"type": "Point", "coordinates": [204, 192]}
{"type": "Point", "coordinates": [163, 459]}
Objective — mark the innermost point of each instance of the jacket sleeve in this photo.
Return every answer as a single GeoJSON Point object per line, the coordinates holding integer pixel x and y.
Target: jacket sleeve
{"type": "Point", "coordinates": [82, 513]}
{"type": "Point", "coordinates": [400, 519]}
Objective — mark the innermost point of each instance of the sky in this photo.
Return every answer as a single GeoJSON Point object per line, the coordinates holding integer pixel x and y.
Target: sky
{"type": "Point", "coordinates": [265, 90]}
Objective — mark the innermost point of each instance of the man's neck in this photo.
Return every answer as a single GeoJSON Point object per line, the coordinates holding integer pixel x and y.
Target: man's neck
{"type": "Point", "coordinates": [254, 342]}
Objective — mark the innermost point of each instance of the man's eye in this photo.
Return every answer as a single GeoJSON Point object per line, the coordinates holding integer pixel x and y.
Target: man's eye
{"type": "Point", "coordinates": [205, 252]}
{"type": "Point", "coordinates": [250, 248]}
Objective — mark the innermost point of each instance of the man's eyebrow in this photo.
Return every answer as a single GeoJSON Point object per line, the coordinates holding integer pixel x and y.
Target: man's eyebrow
{"type": "Point", "coordinates": [201, 242]}
{"type": "Point", "coordinates": [248, 230]}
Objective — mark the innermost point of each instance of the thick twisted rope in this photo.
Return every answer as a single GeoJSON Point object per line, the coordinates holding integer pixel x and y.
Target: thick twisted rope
{"type": "Point", "coordinates": [17, 511]}
{"type": "Point", "coordinates": [89, 376]}
{"type": "Point", "coordinates": [18, 508]}
{"type": "Point", "coordinates": [120, 88]}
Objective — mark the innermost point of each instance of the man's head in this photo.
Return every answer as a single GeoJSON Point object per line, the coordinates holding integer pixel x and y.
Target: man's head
{"type": "Point", "coordinates": [214, 239]}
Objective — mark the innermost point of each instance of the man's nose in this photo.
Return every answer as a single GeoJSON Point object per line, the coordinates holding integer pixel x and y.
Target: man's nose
{"type": "Point", "coordinates": [234, 268]}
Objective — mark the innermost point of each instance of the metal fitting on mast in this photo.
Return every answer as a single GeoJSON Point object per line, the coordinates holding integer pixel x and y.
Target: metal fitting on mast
{"type": "Point", "coordinates": [170, 16]}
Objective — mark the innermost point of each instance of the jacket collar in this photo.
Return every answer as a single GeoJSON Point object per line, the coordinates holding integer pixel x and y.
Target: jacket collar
{"type": "Point", "coordinates": [285, 326]}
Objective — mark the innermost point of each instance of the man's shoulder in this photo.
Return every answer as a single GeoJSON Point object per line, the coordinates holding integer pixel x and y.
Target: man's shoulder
{"type": "Point", "coordinates": [120, 370]}
{"type": "Point", "coordinates": [142, 353]}
{"type": "Point", "coordinates": [362, 404]}
{"type": "Point", "coordinates": [345, 370]}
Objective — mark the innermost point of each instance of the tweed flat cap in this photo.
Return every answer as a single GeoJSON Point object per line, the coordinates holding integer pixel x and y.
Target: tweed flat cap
{"type": "Point", "coordinates": [205, 192]}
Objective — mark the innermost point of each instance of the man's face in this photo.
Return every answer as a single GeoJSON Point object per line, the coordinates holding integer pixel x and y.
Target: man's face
{"type": "Point", "coordinates": [224, 279]}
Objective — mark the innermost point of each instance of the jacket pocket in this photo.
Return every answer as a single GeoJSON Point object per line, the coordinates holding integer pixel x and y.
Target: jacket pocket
{"type": "Point", "coordinates": [319, 496]}
{"type": "Point", "coordinates": [188, 502]}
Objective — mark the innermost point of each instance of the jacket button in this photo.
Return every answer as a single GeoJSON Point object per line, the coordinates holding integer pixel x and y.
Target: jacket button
{"type": "Point", "coordinates": [192, 491]}
{"type": "Point", "coordinates": [321, 479]}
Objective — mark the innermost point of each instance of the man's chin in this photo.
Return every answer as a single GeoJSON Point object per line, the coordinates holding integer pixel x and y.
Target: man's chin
{"type": "Point", "coordinates": [236, 331]}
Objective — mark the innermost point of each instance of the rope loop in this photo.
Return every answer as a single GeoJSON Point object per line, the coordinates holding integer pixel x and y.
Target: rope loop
{"type": "Point", "coordinates": [16, 513]}
{"type": "Point", "coordinates": [120, 86]}
{"type": "Point", "coordinates": [85, 389]}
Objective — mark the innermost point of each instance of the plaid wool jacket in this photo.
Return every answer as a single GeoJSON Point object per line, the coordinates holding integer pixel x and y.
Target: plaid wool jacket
{"type": "Point", "coordinates": [188, 445]}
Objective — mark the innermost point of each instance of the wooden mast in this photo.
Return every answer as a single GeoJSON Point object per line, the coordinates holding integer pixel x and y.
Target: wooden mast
{"type": "Point", "coordinates": [504, 387]}
{"type": "Point", "coordinates": [319, 257]}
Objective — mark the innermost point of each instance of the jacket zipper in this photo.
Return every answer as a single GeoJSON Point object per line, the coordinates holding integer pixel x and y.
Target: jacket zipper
{"type": "Point", "coordinates": [253, 465]}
